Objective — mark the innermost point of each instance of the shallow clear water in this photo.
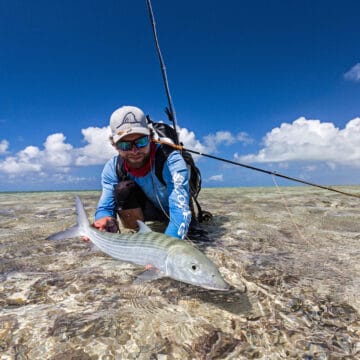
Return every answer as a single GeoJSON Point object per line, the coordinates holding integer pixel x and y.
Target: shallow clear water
{"type": "Point", "coordinates": [292, 258]}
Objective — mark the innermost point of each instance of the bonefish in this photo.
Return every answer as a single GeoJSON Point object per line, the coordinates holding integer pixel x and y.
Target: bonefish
{"type": "Point", "coordinates": [169, 256]}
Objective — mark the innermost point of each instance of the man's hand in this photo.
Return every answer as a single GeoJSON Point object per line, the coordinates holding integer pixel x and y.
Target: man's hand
{"type": "Point", "coordinates": [106, 223]}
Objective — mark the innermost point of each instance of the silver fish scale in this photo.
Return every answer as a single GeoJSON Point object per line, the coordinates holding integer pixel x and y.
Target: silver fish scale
{"type": "Point", "coordinates": [140, 248]}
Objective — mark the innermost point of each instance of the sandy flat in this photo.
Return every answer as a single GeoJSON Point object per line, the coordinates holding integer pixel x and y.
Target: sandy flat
{"type": "Point", "coordinates": [291, 255]}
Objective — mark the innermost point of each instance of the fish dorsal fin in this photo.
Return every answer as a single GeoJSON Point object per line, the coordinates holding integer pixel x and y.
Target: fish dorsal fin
{"type": "Point", "coordinates": [143, 229]}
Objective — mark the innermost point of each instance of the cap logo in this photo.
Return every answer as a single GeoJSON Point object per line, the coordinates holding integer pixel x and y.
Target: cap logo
{"type": "Point", "coordinates": [130, 119]}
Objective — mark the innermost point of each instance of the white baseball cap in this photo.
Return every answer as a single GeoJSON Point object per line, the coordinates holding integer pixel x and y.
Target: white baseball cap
{"type": "Point", "coordinates": [128, 120]}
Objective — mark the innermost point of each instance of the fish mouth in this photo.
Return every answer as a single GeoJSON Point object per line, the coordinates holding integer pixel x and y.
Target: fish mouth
{"type": "Point", "coordinates": [223, 287]}
{"type": "Point", "coordinates": [208, 286]}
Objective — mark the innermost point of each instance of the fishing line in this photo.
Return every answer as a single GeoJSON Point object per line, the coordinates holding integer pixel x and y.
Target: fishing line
{"type": "Point", "coordinates": [302, 236]}
{"type": "Point", "coordinates": [268, 172]}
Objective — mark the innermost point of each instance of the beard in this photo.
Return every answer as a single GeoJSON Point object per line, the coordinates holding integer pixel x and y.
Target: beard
{"type": "Point", "coordinates": [137, 160]}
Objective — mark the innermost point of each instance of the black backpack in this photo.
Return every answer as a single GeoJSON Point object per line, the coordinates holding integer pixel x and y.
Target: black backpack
{"type": "Point", "coordinates": [165, 133]}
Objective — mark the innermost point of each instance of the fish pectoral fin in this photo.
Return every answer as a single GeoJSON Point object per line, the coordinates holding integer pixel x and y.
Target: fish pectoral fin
{"type": "Point", "coordinates": [143, 228]}
{"type": "Point", "coordinates": [149, 275]}
{"type": "Point", "coordinates": [94, 249]}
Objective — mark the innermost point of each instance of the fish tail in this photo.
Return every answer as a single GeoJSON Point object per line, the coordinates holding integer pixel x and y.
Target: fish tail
{"type": "Point", "coordinates": [79, 229]}
{"type": "Point", "coordinates": [82, 219]}
{"type": "Point", "coordinates": [66, 234]}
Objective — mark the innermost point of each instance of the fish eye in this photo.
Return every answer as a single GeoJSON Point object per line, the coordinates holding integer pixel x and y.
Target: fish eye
{"type": "Point", "coordinates": [194, 267]}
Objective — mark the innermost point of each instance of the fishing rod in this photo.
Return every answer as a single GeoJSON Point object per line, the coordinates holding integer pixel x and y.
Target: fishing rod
{"type": "Point", "coordinates": [170, 110]}
{"type": "Point", "coordinates": [273, 173]}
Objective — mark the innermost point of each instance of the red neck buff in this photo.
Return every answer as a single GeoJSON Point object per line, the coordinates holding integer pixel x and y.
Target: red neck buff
{"type": "Point", "coordinates": [140, 172]}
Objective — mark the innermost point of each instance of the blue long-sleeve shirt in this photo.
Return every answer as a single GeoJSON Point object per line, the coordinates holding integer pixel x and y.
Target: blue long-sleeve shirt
{"type": "Point", "coordinates": [174, 196]}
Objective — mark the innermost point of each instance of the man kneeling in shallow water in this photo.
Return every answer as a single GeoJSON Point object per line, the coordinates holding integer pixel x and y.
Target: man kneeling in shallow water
{"type": "Point", "coordinates": [139, 194]}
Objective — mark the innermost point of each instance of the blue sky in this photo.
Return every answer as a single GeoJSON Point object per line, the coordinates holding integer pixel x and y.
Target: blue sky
{"type": "Point", "coordinates": [274, 84]}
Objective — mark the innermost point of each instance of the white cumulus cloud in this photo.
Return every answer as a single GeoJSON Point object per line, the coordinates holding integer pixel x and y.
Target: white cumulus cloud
{"type": "Point", "coordinates": [220, 137]}
{"type": "Point", "coordinates": [310, 140]}
{"type": "Point", "coordinates": [211, 142]}
{"type": "Point", "coordinates": [56, 152]}
{"type": "Point", "coordinates": [4, 145]}
{"type": "Point", "coordinates": [217, 178]}
{"type": "Point", "coordinates": [57, 156]}
{"type": "Point", "coordinates": [98, 148]}
{"type": "Point", "coordinates": [244, 138]}
{"type": "Point", "coordinates": [189, 140]}
{"type": "Point", "coordinates": [353, 74]}
{"type": "Point", "coordinates": [21, 163]}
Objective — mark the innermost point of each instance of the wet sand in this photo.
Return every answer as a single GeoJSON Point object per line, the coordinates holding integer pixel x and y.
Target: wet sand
{"type": "Point", "coordinates": [292, 258]}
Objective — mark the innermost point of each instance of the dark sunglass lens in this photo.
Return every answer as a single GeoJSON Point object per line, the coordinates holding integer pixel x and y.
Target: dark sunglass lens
{"type": "Point", "coordinates": [127, 145]}
{"type": "Point", "coordinates": [124, 145]}
{"type": "Point", "coordinates": [142, 142]}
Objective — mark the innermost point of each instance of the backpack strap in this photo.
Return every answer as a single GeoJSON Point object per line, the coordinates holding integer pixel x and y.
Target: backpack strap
{"type": "Point", "coordinates": [120, 170]}
{"type": "Point", "coordinates": [161, 155]}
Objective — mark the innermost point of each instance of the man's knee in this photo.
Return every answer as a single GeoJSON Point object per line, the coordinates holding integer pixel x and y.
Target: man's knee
{"type": "Point", "coordinates": [129, 200]}
{"type": "Point", "coordinates": [129, 217]}
{"type": "Point", "coordinates": [128, 195]}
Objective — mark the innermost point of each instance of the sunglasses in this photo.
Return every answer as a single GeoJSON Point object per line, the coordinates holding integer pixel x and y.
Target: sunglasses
{"type": "Point", "coordinates": [128, 145]}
